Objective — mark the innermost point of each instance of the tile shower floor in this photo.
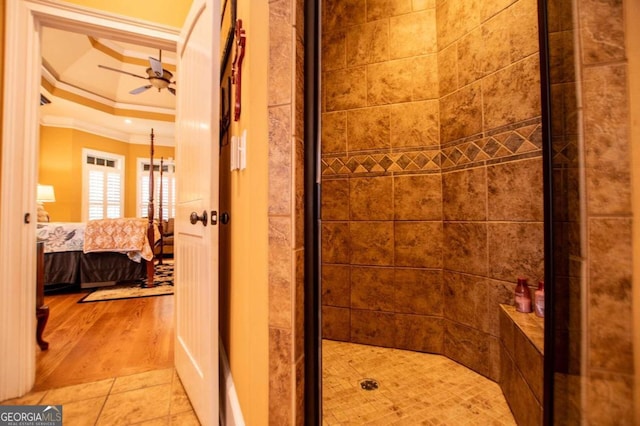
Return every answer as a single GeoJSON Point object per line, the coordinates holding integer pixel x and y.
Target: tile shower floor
{"type": "Point", "coordinates": [152, 398]}
{"type": "Point", "coordinates": [413, 388]}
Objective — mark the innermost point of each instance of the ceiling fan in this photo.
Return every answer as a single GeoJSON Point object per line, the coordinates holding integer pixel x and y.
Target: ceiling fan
{"type": "Point", "coordinates": [158, 77]}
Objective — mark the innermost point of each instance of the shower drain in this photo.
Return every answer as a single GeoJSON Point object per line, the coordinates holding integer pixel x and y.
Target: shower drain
{"type": "Point", "coordinates": [369, 384]}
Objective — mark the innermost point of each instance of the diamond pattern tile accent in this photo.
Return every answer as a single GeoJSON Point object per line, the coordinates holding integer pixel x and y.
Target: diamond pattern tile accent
{"type": "Point", "coordinates": [525, 139]}
{"type": "Point", "coordinates": [513, 142]}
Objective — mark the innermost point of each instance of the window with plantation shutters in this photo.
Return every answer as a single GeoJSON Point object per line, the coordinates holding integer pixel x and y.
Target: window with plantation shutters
{"type": "Point", "coordinates": [103, 185]}
{"type": "Point", "coordinates": [168, 188]}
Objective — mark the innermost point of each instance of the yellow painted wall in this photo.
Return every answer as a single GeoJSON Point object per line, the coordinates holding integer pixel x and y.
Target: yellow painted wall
{"type": "Point", "coordinates": [249, 298]}
{"type": "Point", "coordinates": [165, 12]}
{"type": "Point", "coordinates": [61, 166]}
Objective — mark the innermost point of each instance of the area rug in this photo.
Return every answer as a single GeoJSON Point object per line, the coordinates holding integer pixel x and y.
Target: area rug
{"type": "Point", "coordinates": [163, 286]}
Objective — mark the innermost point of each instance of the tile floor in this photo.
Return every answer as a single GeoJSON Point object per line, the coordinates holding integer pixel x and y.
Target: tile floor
{"type": "Point", "coordinates": [152, 398]}
{"type": "Point", "coordinates": [414, 388]}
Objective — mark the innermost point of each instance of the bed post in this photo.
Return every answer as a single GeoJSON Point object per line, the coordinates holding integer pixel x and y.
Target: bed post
{"type": "Point", "coordinates": [160, 217]}
{"type": "Point", "coordinates": [150, 228]}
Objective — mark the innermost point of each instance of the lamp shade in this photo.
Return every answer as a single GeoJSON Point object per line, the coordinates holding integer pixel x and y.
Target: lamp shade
{"type": "Point", "coordinates": [45, 194]}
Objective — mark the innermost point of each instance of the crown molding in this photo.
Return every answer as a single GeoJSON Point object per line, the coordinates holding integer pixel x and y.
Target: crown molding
{"type": "Point", "coordinates": [94, 129]}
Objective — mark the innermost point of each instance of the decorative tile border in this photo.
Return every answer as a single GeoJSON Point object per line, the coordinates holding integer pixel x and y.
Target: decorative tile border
{"type": "Point", "coordinates": [500, 145]}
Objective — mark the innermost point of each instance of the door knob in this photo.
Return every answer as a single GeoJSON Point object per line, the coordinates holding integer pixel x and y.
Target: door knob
{"type": "Point", "coordinates": [224, 218]}
{"type": "Point", "coordinates": [194, 218]}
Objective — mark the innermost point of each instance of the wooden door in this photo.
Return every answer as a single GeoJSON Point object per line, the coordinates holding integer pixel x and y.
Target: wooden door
{"type": "Point", "coordinates": [196, 244]}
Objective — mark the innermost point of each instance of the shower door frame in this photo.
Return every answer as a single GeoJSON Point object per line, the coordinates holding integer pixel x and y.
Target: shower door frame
{"type": "Point", "coordinates": [312, 201]}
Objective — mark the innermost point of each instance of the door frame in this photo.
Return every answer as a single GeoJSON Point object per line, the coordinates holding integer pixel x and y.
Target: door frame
{"type": "Point", "coordinates": [20, 145]}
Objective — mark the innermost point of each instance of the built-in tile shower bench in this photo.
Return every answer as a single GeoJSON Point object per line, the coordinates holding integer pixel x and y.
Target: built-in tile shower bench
{"type": "Point", "coordinates": [521, 363]}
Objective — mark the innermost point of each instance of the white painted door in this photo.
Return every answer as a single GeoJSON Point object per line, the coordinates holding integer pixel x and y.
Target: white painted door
{"type": "Point", "coordinates": [196, 245]}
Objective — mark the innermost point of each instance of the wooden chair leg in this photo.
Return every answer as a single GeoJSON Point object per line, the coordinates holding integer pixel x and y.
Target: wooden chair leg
{"type": "Point", "coordinates": [42, 314]}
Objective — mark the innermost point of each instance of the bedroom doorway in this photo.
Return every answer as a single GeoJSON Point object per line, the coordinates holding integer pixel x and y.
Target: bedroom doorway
{"type": "Point", "coordinates": [19, 171]}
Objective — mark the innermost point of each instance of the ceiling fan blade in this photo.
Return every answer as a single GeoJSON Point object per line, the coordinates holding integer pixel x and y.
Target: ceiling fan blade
{"type": "Point", "coordinates": [140, 89]}
{"type": "Point", "coordinates": [172, 90]}
{"type": "Point", "coordinates": [123, 72]}
{"type": "Point", "coordinates": [156, 66]}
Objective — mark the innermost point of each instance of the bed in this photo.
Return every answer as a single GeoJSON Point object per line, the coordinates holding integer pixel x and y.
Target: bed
{"type": "Point", "coordinates": [96, 253]}
{"type": "Point", "coordinates": [100, 252]}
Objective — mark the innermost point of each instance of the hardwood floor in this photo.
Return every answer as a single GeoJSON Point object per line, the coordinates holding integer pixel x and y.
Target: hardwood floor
{"type": "Point", "coordinates": [100, 340]}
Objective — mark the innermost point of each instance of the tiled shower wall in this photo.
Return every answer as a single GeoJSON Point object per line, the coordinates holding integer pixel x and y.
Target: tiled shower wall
{"type": "Point", "coordinates": [594, 380]}
{"type": "Point", "coordinates": [432, 183]}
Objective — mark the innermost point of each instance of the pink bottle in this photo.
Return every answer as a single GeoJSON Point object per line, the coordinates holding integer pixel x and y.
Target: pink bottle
{"type": "Point", "coordinates": [523, 296]}
{"type": "Point", "coordinates": [538, 300]}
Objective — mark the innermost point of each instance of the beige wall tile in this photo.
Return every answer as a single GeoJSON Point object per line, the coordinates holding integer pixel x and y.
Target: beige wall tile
{"type": "Point", "coordinates": [378, 9]}
{"type": "Point", "coordinates": [465, 247]}
{"type": "Point", "coordinates": [424, 78]}
{"type": "Point", "coordinates": [368, 128]}
{"type": "Point", "coordinates": [280, 376]}
{"type": "Point", "coordinates": [373, 328]}
{"type": "Point", "coordinates": [372, 288]}
{"type": "Point", "coordinates": [423, 4]}
{"type": "Point", "coordinates": [280, 167]}
{"type": "Point", "coordinates": [418, 244]}
{"type": "Point", "coordinates": [402, 80]}
{"type": "Point", "coordinates": [334, 132]}
{"type": "Point", "coordinates": [461, 113]}
{"type": "Point", "coordinates": [489, 8]}
{"type": "Point", "coordinates": [334, 49]}
{"type": "Point", "coordinates": [607, 167]}
{"type": "Point", "coordinates": [475, 301]}
{"type": "Point", "coordinates": [484, 50]}
{"type": "Point", "coordinates": [281, 55]}
{"type": "Point", "coordinates": [608, 397]}
{"type": "Point", "coordinates": [418, 291]}
{"type": "Point", "coordinates": [336, 323]}
{"type": "Point", "coordinates": [455, 19]}
{"type": "Point", "coordinates": [448, 69]}
{"type": "Point", "coordinates": [412, 34]}
{"type": "Point", "coordinates": [368, 43]}
{"type": "Point", "coordinates": [335, 242]}
{"type": "Point", "coordinates": [609, 321]}
{"type": "Point", "coordinates": [515, 250]}
{"type": "Point", "coordinates": [603, 35]}
{"type": "Point", "coordinates": [524, 405]}
{"type": "Point", "coordinates": [417, 197]}
{"type": "Point", "coordinates": [280, 268]}
{"type": "Point", "coordinates": [472, 348]}
{"type": "Point", "coordinates": [345, 89]}
{"type": "Point", "coordinates": [512, 95]}
{"type": "Point", "coordinates": [343, 13]}
{"type": "Point", "coordinates": [419, 333]}
{"type": "Point", "coordinates": [371, 198]}
{"type": "Point", "coordinates": [372, 243]}
{"type": "Point", "coordinates": [515, 191]}
{"type": "Point", "coordinates": [465, 194]}
{"type": "Point", "coordinates": [414, 124]}
{"type": "Point", "coordinates": [336, 285]}
{"type": "Point", "coordinates": [530, 362]}
{"type": "Point", "coordinates": [335, 199]}
{"type": "Point", "coordinates": [523, 29]}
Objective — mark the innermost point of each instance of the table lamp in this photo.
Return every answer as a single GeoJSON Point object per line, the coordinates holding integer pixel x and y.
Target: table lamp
{"type": "Point", "coordinates": [45, 194]}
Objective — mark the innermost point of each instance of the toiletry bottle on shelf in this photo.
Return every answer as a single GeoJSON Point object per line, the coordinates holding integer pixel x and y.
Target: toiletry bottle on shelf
{"type": "Point", "coordinates": [538, 300]}
{"type": "Point", "coordinates": [523, 296]}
